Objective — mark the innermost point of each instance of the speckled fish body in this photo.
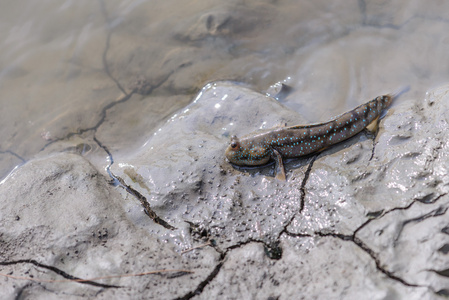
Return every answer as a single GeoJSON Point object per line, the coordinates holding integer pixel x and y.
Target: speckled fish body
{"type": "Point", "coordinates": [288, 142]}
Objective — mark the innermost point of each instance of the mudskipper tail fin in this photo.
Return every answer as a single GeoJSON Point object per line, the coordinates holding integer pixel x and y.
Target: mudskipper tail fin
{"type": "Point", "coordinates": [399, 92]}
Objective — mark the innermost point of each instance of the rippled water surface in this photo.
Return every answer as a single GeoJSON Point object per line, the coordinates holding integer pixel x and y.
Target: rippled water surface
{"type": "Point", "coordinates": [105, 74]}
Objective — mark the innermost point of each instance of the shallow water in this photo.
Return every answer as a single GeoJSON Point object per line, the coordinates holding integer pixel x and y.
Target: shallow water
{"type": "Point", "coordinates": [105, 74]}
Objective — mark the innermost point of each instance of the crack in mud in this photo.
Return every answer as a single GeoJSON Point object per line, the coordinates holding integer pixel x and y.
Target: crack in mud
{"type": "Point", "coordinates": [302, 194]}
{"type": "Point", "coordinates": [103, 112]}
{"type": "Point", "coordinates": [434, 213]}
{"type": "Point", "coordinates": [117, 181]}
{"type": "Point", "coordinates": [125, 97]}
{"type": "Point", "coordinates": [59, 294]}
{"type": "Point", "coordinates": [268, 248]}
{"type": "Point", "coordinates": [147, 208]}
{"type": "Point", "coordinates": [108, 43]}
{"type": "Point", "coordinates": [199, 289]}
{"type": "Point", "coordinates": [21, 290]}
{"type": "Point", "coordinates": [373, 150]}
{"type": "Point", "coordinates": [273, 250]}
{"type": "Point", "coordinates": [102, 117]}
{"type": "Point", "coordinates": [376, 260]}
{"type": "Point", "coordinates": [57, 271]}
{"type": "Point", "coordinates": [303, 184]}
{"type": "Point", "coordinates": [357, 241]}
{"type": "Point", "coordinates": [381, 215]}
{"type": "Point", "coordinates": [223, 254]}
{"type": "Point", "coordinates": [13, 154]}
{"type": "Point", "coordinates": [294, 234]}
{"type": "Point", "coordinates": [372, 136]}
{"type": "Point", "coordinates": [371, 253]}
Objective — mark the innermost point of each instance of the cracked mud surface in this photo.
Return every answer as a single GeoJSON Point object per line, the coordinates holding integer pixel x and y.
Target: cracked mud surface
{"type": "Point", "coordinates": [262, 241]}
{"type": "Point", "coordinates": [83, 236]}
{"type": "Point", "coordinates": [324, 199]}
{"type": "Point", "coordinates": [364, 219]}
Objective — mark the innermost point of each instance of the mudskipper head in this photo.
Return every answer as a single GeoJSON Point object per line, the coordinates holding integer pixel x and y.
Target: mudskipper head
{"type": "Point", "coordinates": [246, 153]}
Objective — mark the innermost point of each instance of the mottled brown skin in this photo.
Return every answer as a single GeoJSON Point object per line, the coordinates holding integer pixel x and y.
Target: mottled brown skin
{"type": "Point", "coordinates": [288, 142]}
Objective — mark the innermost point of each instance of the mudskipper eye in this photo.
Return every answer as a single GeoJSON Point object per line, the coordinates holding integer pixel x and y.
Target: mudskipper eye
{"type": "Point", "coordinates": [233, 145]}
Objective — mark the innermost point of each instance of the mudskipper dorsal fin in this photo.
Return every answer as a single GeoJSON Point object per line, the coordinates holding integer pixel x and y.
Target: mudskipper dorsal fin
{"type": "Point", "coordinates": [298, 126]}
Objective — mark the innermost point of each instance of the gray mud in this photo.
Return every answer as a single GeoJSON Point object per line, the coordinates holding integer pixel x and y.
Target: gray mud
{"type": "Point", "coordinates": [240, 232]}
{"type": "Point", "coordinates": [115, 117]}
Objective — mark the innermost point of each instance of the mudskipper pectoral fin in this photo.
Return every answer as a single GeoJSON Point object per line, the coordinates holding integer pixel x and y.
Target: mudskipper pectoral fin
{"type": "Point", "coordinates": [280, 171]}
{"type": "Point", "coordinates": [373, 126]}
